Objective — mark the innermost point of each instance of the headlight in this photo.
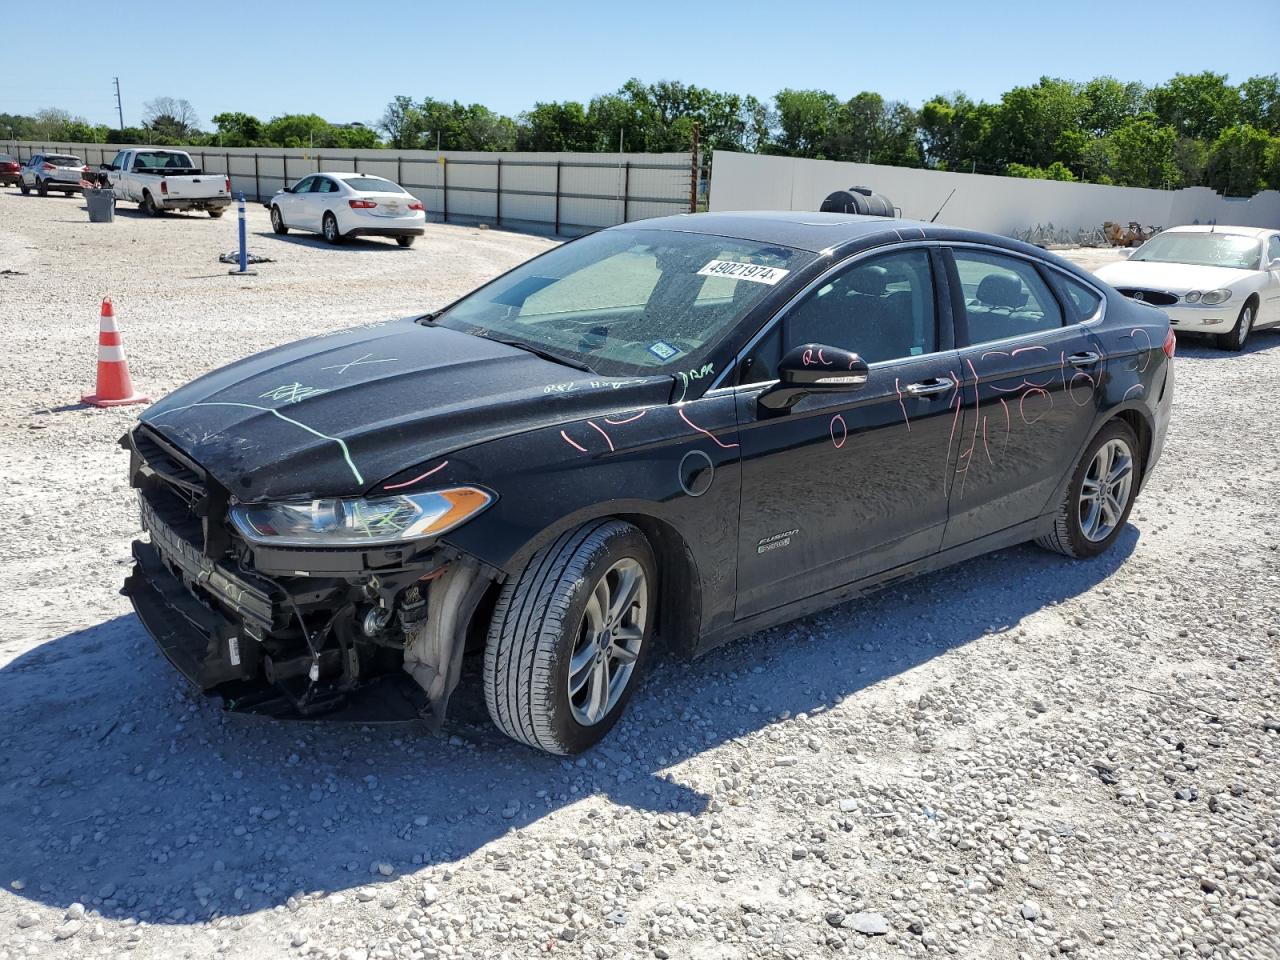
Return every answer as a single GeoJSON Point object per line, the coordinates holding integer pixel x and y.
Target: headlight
{"type": "Point", "coordinates": [1191, 296]}
{"type": "Point", "coordinates": [1215, 296]}
{"type": "Point", "coordinates": [358, 522]}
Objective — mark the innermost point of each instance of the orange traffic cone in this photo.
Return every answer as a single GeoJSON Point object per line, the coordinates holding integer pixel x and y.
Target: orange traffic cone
{"type": "Point", "coordinates": [115, 388]}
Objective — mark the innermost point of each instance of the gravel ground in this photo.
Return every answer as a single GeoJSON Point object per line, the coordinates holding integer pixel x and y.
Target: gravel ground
{"type": "Point", "coordinates": [1020, 757]}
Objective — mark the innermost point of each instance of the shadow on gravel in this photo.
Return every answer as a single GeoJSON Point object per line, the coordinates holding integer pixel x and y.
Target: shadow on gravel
{"type": "Point", "coordinates": [314, 240]}
{"type": "Point", "coordinates": [1201, 346]}
{"type": "Point", "coordinates": [121, 790]}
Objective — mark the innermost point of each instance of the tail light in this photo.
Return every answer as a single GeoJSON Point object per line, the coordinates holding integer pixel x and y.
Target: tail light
{"type": "Point", "coordinates": [361, 204]}
{"type": "Point", "coordinates": [416, 206]}
{"type": "Point", "coordinates": [1170, 344]}
{"type": "Point", "coordinates": [164, 187]}
{"type": "Point", "coordinates": [85, 168]}
{"type": "Point", "coordinates": [228, 184]}
{"type": "Point", "coordinates": [49, 166]}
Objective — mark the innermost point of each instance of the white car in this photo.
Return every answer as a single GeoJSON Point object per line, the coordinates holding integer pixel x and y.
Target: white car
{"type": "Point", "coordinates": [52, 171]}
{"type": "Point", "coordinates": [342, 205]}
{"type": "Point", "coordinates": [1223, 281]}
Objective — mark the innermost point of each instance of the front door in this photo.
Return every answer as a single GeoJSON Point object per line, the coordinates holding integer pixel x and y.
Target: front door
{"type": "Point", "coordinates": [849, 483]}
{"type": "Point", "coordinates": [1030, 372]}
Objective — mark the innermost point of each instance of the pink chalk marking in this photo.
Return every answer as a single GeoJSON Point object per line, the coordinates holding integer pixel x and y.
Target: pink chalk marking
{"type": "Point", "coordinates": [994, 353]}
{"type": "Point", "coordinates": [1021, 400]}
{"type": "Point", "coordinates": [844, 431]}
{"type": "Point", "coordinates": [600, 430]}
{"type": "Point", "coordinates": [618, 423]}
{"type": "Point", "coordinates": [1137, 386]}
{"type": "Point", "coordinates": [946, 467]}
{"type": "Point", "coordinates": [1028, 350]}
{"type": "Point", "coordinates": [716, 440]}
{"type": "Point", "coordinates": [901, 402]}
{"type": "Point", "coordinates": [1146, 354]}
{"type": "Point", "coordinates": [823, 360]}
{"type": "Point", "coordinates": [571, 443]}
{"type": "Point", "coordinates": [973, 441]}
{"type": "Point", "coordinates": [807, 358]}
{"type": "Point", "coordinates": [986, 448]}
{"type": "Point", "coordinates": [1071, 388]}
{"type": "Point", "coordinates": [409, 483]}
{"type": "Point", "coordinates": [1008, 425]}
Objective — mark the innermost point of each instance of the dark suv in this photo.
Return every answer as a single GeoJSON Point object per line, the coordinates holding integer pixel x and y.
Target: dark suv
{"type": "Point", "coordinates": [685, 429]}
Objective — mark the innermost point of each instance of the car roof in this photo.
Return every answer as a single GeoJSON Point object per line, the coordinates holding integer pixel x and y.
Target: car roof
{"type": "Point", "coordinates": [343, 174]}
{"type": "Point", "coordinates": [1220, 228]}
{"type": "Point", "coordinates": [800, 229]}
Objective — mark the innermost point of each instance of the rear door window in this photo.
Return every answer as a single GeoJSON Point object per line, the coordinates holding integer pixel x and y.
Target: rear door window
{"type": "Point", "coordinates": [1004, 296]}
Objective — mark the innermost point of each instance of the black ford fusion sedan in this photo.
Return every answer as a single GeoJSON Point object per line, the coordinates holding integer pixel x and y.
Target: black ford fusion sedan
{"type": "Point", "coordinates": [677, 431]}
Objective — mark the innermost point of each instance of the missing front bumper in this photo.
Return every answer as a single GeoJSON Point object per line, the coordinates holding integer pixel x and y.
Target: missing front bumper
{"type": "Point", "coordinates": [216, 653]}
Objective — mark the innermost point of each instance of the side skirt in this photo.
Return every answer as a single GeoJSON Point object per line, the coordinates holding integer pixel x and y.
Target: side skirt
{"type": "Point", "coordinates": [802, 608]}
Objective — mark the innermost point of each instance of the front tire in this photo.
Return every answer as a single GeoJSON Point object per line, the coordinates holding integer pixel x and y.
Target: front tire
{"type": "Point", "coordinates": [569, 638]}
{"type": "Point", "coordinates": [1239, 335]}
{"type": "Point", "coordinates": [1099, 496]}
{"type": "Point", "coordinates": [42, 188]}
{"type": "Point", "coordinates": [277, 221]}
{"type": "Point", "coordinates": [26, 190]}
{"type": "Point", "coordinates": [217, 212]}
{"type": "Point", "coordinates": [329, 229]}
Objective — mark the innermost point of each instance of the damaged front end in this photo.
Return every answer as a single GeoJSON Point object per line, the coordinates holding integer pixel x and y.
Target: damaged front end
{"type": "Point", "coordinates": [362, 633]}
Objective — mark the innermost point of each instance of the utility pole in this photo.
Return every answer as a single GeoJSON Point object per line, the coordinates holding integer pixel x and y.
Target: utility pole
{"type": "Point", "coordinates": [119, 107]}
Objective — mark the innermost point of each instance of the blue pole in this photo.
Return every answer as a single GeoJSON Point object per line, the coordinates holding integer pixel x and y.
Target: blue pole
{"type": "Point", "coordinates": [244, 248]}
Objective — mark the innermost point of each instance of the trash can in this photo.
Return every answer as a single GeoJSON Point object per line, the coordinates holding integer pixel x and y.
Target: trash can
{"type": "Point", "coordinates": [101, 204]}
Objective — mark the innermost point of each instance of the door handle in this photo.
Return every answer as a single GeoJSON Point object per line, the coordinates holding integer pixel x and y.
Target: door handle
{"type": "Point", "coordinates": [1086, 359]}
{"type": "Point", "coordinates": [927, 388]}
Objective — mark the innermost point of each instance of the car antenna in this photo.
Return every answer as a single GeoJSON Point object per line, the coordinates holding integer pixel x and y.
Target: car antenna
{"type": "Point", "coordinates": [944, 203]}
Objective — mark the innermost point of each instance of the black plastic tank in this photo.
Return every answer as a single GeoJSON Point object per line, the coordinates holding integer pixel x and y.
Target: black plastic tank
{"type": "Point", "coordinates": [861, 200]}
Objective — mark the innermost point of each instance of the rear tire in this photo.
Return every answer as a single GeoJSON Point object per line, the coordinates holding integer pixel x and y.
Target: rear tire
{"type": "Point", "coordinates": [1100, 495]}
{"type": "Point", "coordinates": [570, 636]}
{"type": "Point", "coordinates": [1239, 335]}
{"type": "Point", "coordinates": [277, 221]}
{"type": "Point", "coordinates": [329, 229]}
{"type": "Point", "coordinates": [217, 212]}
{"type": "Point", "coordinates": [148, 206]}
{"type": "Point", "coordinates": [405, 241]}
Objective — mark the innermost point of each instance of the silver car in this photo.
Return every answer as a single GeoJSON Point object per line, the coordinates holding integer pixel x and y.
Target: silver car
{"type": "Point", "coordinates": [52, 171]}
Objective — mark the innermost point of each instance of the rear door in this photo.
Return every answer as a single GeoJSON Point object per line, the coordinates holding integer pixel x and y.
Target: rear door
{"type": "Point", "coordinates": [1029, 367]}
{"type": "Point", "coordinates": [848, 483]}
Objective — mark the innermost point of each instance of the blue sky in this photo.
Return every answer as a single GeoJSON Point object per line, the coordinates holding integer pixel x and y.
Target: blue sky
{"type": "Point", "coordinates": [346, 60]}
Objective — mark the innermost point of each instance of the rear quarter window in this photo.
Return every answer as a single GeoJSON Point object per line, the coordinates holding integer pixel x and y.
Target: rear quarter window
{"type": "Point", "coordinates": [1082, 300]}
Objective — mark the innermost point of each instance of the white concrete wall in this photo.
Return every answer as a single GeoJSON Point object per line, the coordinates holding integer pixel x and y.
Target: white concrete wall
{"type": "Point", "coordinates": [592, 185]}
{"type": "Point", "coordinates": [1003, 205]}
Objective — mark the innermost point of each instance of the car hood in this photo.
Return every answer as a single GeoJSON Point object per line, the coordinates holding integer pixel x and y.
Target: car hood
{"type": "Point", "coordinates": [1171, 277]}
{"type": "Point", "coordinates": [334, 415]}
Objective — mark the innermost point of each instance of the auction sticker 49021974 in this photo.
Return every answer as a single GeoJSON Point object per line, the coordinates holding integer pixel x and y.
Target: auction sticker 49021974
{"type": "Point", "coordinates": [733, 270]}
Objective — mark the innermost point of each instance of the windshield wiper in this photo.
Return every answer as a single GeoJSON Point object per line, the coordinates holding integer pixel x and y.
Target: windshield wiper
{"type": "Point", "coordinates": [544, 354]}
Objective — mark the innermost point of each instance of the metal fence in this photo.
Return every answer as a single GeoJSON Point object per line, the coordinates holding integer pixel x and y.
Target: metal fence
{"type": "Point", "coordinates": [567, 193]}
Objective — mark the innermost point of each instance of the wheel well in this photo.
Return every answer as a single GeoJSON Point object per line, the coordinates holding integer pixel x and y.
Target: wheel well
{"type": "Point", "coordinates": [679, 610]}
{"type": "Point", "coordinates": [1252, 299]}
{"type": "Point", "coordinates": [1142, 430]}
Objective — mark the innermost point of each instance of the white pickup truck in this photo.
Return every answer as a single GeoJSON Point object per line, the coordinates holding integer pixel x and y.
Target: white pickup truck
{"type": "Point", "coordinates": [160, 180]}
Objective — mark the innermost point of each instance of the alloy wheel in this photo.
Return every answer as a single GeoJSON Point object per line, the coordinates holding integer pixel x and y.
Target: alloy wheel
{"type": "Point", "coordinates": [608, 642]}
{"type": "Point", "coordinates": [1104, 491]}
{"type": "Point", "coordinates": [1246, 324]}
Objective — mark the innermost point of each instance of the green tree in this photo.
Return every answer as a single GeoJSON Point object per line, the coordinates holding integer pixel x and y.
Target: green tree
{"type": "Point", "coordinates": [1238, 158]}
{"type": "Point", "coordinates": [1109, 104]}
{"type": "Point", "coordinates": [1055, 171]}
{"type": "Point", "coordinates": [1142, 153]}
{"type": "Point", "coordinates": [1040, 124]}
{"type": "Point", "coordinates": [1197, 105]}
{"type": "Point", "coordinates": [805, 122]}
{"type": "Point", "coordinates": [1259, 103]}
{"type": "Point", "coordinates": [239, 130]}
{"type": "Point", "coordinates": [555, 126]}
{"type": "Point", "coordinates": [170, 119]}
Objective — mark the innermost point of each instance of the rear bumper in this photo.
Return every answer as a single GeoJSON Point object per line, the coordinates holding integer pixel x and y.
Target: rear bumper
{"type": "Point", "coordinates": [194, 203]}
{"type": "Point", "coordinates": [54, 184]}
{"type": "Point", "coordinates": [386, 232]}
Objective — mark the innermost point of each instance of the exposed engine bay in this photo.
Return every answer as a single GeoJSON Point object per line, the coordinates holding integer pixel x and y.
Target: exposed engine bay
{"type": "Point", "coordinates": [362, 634]}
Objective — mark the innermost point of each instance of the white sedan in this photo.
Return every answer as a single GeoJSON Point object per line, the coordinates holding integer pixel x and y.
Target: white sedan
{"type": "Point", "coordinates": [1223, 281]}
{"type": "Point", "coordinates": [342, 205]}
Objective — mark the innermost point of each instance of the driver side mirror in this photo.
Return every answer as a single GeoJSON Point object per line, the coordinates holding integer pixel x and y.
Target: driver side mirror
{"type": "Point", "coordinates": [813, 368]}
